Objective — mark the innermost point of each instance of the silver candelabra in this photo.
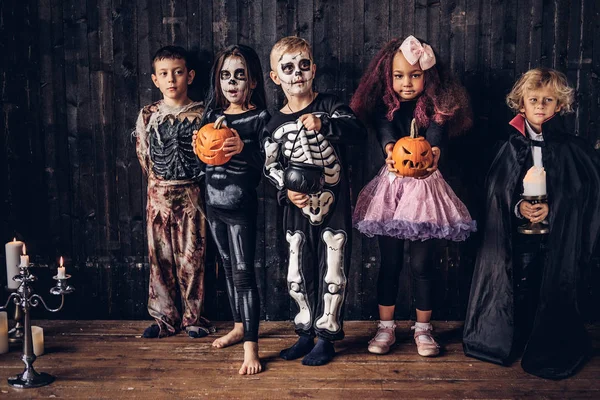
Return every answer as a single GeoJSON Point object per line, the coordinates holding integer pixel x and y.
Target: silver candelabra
{"type": "Point", "coordinates": [25, 299]}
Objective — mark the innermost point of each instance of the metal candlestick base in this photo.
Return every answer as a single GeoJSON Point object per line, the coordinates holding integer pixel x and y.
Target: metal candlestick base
{"type": "Point", "coordinates": [538, 228]}
{"type": "Point", "coordinates": [25, 299]}
{"type": "Point", "coordinates": [32, 380]}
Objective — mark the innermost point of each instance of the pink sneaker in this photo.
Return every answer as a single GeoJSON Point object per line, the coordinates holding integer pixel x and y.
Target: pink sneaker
{"type": "Point", "coordinates": [426, 344]}
{"type": "Point", "coordinates": [384, 338]}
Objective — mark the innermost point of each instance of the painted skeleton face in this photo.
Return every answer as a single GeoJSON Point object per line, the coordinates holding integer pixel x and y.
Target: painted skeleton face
{"type": "Point", "coordinates": [296, 73]}
{"type": "Point", "coordinates": [234, 80]}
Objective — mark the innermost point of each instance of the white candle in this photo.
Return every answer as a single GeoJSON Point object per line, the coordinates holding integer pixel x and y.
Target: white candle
{"type": "Point", "coordinates": [61, 270]}
{"type": "Point", "coordinates": [13, 251]}
{"type": "Point", "coordinates": [37, 334]}
{"type": "Point", "coordinates": [3, 332]}
{"type": "Point", "coordinates": [534, 183]}
{"type": "Point", "coordinates": [24, 257]}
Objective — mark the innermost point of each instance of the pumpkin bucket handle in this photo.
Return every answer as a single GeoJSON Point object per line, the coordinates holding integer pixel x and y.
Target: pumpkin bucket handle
{"type": "Point", "coordinates": [414, 131]}
{"type": "Point", "coordinates": [219, 122]}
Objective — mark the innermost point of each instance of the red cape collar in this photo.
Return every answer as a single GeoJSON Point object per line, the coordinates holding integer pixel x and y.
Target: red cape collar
{"type": "Point", "coordinates": [518, 122]}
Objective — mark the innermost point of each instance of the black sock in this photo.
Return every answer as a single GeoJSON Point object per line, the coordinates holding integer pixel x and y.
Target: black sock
{"type": "Point", "coordinates": [151, 332]}
{"type": "Point", "coordinates": [301, 348]}
{"type": "Point", "coordinates": [321, 354]}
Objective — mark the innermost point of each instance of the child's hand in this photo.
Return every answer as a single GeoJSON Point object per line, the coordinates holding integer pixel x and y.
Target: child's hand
{"type": "Point", "coordinates": [311, 122]}
{"type": "Point", "coordinates": [389, 161]}
{"type": "Point", "coordinates": [233, 145]}
{"type": "Point", "coordinates": [194, 137]}
{"type": "Point", "coordinates": [300, 200]}
{"type": "Point", "coordinates": [434, 167]}
{"type": "Point", "coordinates": [534, 212]}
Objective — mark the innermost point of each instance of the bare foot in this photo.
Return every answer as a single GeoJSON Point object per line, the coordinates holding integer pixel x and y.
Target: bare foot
{"type": "Point", "coordinates": [251, 363]}
{"type": "Point", "coordinates": [234, 336]}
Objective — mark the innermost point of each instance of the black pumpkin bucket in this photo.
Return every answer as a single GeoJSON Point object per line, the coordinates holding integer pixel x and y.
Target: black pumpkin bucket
{"type": "Point", "coordinates": [303, 177]}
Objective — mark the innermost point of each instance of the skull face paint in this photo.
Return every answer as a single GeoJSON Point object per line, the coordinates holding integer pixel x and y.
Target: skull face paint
{"type": "Point", "coordinates": [296, 73]}
{"type": "Point", "coordinates": [234, 80]}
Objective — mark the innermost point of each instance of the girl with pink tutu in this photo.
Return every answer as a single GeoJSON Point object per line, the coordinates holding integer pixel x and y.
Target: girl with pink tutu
{"type": "Point", "coordinates": [404, 83]}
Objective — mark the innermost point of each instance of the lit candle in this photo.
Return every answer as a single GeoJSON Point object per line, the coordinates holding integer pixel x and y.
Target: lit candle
{"type": "Point", "coordinates": [13, 251]}
{"type": "Point", "coordinates": [3, 333]}
{"type": "Point", "coordinates": [24, 257]}
{"type": "Point", "coordinates": [37, 334]}
{"type": "Point", "coordinates": [61, 270]}
{"type": "Point", "coordinates": [534, 183]}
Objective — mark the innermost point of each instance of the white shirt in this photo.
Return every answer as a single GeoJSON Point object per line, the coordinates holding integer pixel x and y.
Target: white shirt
{"type": "Point", "coordinates": [536, 153]}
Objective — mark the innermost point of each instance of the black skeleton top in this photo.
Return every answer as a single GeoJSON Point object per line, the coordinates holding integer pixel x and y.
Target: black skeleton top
{"type": "Point", "coordinates": [232, 186]}
{"type": "Point", "coordinates": [281, 145]}
{"type": "Point", "coordinates": [390, 131]}
{"type": "Point", "coordinates": [164, 141]}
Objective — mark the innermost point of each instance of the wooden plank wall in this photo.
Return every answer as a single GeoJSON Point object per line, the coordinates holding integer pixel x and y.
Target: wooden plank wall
{"type": "Point", "coordinates": [75, 73]}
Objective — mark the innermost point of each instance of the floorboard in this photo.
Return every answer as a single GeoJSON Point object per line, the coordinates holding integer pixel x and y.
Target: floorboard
{"type": "Point", "coordinates": [109, 360]}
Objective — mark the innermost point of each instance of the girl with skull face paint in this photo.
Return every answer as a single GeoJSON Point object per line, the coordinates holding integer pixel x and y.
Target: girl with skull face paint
{"type": "Point", "coordinates": [402, 84]}
{"type": "Point", "coordinates": [237, 92]}
{"type": "Point", "coordinates": [311, 129]}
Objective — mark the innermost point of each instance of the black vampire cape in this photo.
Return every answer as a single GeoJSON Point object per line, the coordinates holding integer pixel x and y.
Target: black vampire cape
{"type": "Point", "coordinates": [558, 344]}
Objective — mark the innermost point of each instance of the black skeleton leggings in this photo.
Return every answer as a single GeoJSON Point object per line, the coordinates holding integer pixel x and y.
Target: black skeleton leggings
{"type": "Point", "coordinates": [235, 235]}
{"type": "Point", "coordinates": [421, 268]}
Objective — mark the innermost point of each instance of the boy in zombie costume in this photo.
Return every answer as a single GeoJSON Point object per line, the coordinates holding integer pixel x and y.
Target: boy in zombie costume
{"type": "Point", "coordinates": [310, 129]}
{"type": "Point", "coordinates": [174, 218]}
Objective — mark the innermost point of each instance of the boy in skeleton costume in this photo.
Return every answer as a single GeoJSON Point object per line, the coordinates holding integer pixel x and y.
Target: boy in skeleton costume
{"type": "Point", "coordinates": [175, 221]}
{"type": "Point", "coordinates": [310, 129]}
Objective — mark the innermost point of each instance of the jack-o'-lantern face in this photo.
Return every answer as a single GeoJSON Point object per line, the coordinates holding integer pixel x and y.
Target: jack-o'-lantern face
{"type": "Point", "coordinates": [412, 155]}
{"type": "Point", "coordinates": [209, 142]}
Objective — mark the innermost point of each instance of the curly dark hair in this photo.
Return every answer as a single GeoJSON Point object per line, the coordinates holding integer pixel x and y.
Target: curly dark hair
{"type": "Point", "coordinates": [444, 100]}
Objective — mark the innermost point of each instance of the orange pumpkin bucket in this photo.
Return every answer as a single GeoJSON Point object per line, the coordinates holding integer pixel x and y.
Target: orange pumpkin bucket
{"type": "Point", "coordinates": [209, 142]}
{"type": "Point", "coordinates": [412, 154]}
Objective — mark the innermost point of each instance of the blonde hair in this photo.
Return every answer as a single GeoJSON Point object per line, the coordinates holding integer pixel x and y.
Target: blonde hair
{"type": "Point", "coordinates": [539, 78]}
{"type": "Point", "coordinates": [286, 45]}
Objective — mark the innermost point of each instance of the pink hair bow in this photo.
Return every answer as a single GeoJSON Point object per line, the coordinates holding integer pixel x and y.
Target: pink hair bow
{"type": "Point", "coordinates": [414, 51]}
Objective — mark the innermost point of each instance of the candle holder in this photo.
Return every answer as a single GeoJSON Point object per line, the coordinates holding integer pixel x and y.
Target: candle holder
{"type": "Point", "coordinates": [25, 299]}
{"type": "Point", "coordinates": [15, 334]}
{"type": "Point", "coordinates": [538, 228]}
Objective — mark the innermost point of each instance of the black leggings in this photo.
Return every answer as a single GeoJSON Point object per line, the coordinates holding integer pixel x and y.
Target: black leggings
{"type": "Point", "coordinates": [235, 236]}
{"type": "Point", "coordinates": [421, 268]}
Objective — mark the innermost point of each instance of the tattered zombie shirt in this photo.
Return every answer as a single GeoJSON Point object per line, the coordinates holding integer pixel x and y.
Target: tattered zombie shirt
{"type": "Point", "coordinates": [164, 141]}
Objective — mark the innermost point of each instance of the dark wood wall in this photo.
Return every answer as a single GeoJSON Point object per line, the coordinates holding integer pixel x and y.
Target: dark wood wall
{"type": "Point", "coordinates": [75, 73]}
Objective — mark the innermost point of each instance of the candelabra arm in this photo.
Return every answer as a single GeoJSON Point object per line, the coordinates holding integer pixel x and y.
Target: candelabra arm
{"type": "Point", "coordinates": [33, 300]}
{"type": "Point", "coordinates": [17, 300]}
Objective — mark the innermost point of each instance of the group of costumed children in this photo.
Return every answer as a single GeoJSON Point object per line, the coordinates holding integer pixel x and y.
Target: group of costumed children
{"type": "Point", "coordinates": [522, 284]}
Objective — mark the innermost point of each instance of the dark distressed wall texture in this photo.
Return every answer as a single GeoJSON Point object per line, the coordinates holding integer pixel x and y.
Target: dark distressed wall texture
{"type": "Point", "coordinates": [75, 73]}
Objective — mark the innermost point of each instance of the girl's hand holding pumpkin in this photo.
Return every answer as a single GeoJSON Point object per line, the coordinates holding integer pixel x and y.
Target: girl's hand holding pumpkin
{"type": "Point", "coordinates": [434, 167]}
{"type": "Point", "coordinates": [389, 161]}
{"type": "Point", "coordinates": [233, 145]}
{"type": "Point", "coordinates": [194, 137]}
{"type": "Point", "coordinates": [300, 200]}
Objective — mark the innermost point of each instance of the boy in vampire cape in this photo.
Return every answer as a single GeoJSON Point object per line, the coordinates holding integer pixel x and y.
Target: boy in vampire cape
{"type": "Point", "coordinates": [544, 324]}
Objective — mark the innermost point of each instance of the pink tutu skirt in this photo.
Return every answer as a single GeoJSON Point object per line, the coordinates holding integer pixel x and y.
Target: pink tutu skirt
{"type": "Point", "coordinates": [413, 209]}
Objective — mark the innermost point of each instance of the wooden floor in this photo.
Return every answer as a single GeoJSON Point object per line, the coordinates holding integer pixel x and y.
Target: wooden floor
{"type": "Point", "coordinates": [109, 360]}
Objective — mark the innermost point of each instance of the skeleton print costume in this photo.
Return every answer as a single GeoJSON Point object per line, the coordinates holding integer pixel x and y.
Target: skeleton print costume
{"type": "Point", "coordinates": [175, 221]}
{"type": "Point", "coordinates": [231, 204]}
{"type": "Point", "coordinates": [319, 234]}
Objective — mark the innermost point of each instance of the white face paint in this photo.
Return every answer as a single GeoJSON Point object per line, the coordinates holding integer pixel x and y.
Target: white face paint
{"type": "Point", "coordinates": [295, 71]}
{"type": "Point", "coordinates": [234, 80]}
